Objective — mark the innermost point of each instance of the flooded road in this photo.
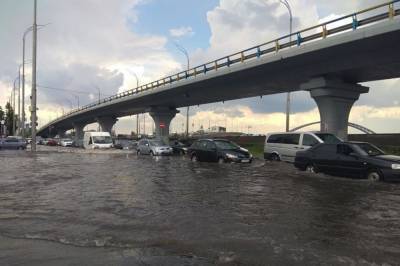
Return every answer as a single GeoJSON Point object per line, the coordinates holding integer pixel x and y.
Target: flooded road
{"type": "Point", "coordinates": [121, 209]}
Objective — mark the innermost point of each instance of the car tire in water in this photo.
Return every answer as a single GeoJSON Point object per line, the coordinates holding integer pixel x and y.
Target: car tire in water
{"type": "Point", "coordinates": [374, 175]}
{"type": "Point", "coordinates": [275, 157]}
{"type": "Point", "coordinates": [310, 168]}
{"type": "Point", "coordinates": [194, 158]}
{"type": "Point", "coordinates": [221, 160]}
{"type": "Point", "coordinates": [138, 152]}
{"type": "Point", "coordinates": [152, 153]}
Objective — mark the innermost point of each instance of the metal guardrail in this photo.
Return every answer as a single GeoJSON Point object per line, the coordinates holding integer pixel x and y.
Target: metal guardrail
{"type": "Point", "coordinates": [258, 51]}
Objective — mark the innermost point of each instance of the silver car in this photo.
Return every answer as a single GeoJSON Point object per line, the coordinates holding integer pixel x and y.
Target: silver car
{"type": "Point", "coordinates": [13, 143]}
{"type": "Point", "coordinates": [153, 147]}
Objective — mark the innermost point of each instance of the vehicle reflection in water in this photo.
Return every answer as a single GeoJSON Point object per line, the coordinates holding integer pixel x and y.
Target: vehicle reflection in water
{"type": "Point", "coordinates": [266, 212]}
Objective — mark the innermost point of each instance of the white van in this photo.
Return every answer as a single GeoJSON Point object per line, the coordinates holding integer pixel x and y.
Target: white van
{"type": "Point", "coordinates": [283, 146]}
{"type": "Point", "coordinates": [97, 140]}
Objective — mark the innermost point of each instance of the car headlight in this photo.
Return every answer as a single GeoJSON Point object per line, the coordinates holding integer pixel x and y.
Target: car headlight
{"type": "Point", "coordinates": [231, 156]}
{"type": "Point", "coordinates": [396, 166]}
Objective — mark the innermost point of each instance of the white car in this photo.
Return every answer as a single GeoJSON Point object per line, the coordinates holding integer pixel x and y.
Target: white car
{"type": "Point", "coordinates": [66, 142]}
{"type": "Point", "coordinates": [284, 146]}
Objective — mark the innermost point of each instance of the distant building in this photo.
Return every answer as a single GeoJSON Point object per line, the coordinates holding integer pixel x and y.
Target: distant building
{"type": "Point", "coordinates": [217, 129]}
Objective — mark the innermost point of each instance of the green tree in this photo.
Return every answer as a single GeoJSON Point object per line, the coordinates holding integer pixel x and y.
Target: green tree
{"type": "Point", "coordinates": [9, 119]}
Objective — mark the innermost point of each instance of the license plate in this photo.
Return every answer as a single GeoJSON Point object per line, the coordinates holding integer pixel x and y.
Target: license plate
{"type": "Point", "coordinates": [245, 160]}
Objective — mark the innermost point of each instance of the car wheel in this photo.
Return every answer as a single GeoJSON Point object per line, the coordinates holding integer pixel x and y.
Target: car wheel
{"type": "Point", "coordinates": [221, 160]}
{"type": "Point", "coordinates": [311, 169]}
{"type": "Point", "coordinates": [20, 148]}
{"type": "Point", "coordinates": [152, 153]}
{"type": "Point", "coordinates": [275, 157]}
{"type": "Point", "coordinates": [374, 175]}
{"type": "Point", "coordinates": [194, 158]}
{"type": "Point", "coordinates": [138, 152]}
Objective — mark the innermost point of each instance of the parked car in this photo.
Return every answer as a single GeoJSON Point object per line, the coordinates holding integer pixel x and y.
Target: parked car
{"type": "Point", "coordinates": [283, 146]}
{"type": "Point", "coordinates": [13, 143]}
{"type": "Point", "coordinates": [357, 159]}
{"type": "Point", "coordinates": [153, 147]}
{"type": "Point", "coordinates": [178, 147]}
{"type": "Point", "coordinates": [124, 144]}
{"type": "Point", "coordinates": [66, 142]}
{"type": "Point", "coordinates": [51, 142]}
{"type": "Point", "coordinates": [218, 150]}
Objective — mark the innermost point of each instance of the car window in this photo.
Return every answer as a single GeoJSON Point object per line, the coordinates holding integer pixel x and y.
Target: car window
{"type": "Point", "coordinates": [226, 145]}
{"type": "Point", "coordinates": [210, 145]}
{"type": "Point", "coordinates": [274, 139]}
{"type": "Point", "coordinates": [328, 138]}
{"type": "Point", "coordinates": [157, 143]}
{"type": "Point", "coordinates": [291, 139]}
{"type": "Point", "coordinates": [309, 140]}
{"type": "Point", "coordinates": [344, 149]}
{"type": "Point", "coordinates": [370, 149]}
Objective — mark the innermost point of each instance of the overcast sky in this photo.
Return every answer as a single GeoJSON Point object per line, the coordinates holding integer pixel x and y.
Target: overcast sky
{"type": "Point", "coordinates": [92, 44]}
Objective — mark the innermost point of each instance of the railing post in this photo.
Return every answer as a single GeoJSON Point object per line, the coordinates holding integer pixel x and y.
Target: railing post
{"type": "Point", "coordinates": [324, 31]}
{"type": "Point", "coordinates": [277, 46]}
{"type": "Point", "coordinates": [355, 22]}
{"type": "Point", "coordinates": [216, 65]}
{"type": "Point", "coordinates": [299, 39]}
{"type": "Point", "coordinates": [242, 57]}
{"type": "Point", "coordinates": [228, 62]}
{"type": "Point", "coordinates": [391, 11]}
{"type": "Point", "coordinates": [205, 69]}
{"type": "Point", "coordinates": [258, 52]}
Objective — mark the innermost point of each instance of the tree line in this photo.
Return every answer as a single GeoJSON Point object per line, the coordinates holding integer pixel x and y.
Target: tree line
{"type": "Point", "coordinates": [7, 116]}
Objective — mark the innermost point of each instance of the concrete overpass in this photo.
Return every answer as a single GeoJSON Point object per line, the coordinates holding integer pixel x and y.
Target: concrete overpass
{"type": "Point", "coordinates": [327, 60]}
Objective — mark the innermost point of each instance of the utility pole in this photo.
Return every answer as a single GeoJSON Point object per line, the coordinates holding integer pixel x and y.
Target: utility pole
{"type": "Point", "coordinates": [184, 51]}
{"type": "Point", "coordinates": [14, 113]}
{"type": "Point", "coordinates": [33, 105]}
{"type": "Point", "coordinates": [287, 5]}
{"type": "Point", "coordinates": [137, 116]}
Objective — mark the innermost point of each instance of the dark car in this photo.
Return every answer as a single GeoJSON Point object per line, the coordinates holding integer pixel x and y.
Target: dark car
{"type": "Point", "coordinates": [179, 147]}
{"type": "Point", "coordinates": [218, 150]}
{"type": "Point", "coordinates": [356, 159]}
{"type": "Point", "coordinates": [13, 143]}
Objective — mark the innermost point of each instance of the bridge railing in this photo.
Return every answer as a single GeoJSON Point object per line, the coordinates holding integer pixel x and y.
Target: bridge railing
{"type": "Point", "coordinates": [321, 31]}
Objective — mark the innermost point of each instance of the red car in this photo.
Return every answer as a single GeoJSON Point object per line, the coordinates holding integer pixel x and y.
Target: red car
{"type": "Point", "coordinates": [51, 142]}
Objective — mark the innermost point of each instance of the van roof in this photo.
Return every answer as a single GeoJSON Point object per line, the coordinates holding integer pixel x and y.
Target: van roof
{"type": "Point", "coordinates": [99, 134]}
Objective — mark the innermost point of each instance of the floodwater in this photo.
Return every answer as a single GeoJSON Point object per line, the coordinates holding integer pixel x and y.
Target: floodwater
{"type": "Point", "coordinates": [60, 208]}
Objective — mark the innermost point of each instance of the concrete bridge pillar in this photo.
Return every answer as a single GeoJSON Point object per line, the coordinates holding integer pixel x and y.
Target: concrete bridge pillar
{"type": "Point", "coordinates": [162, 117]}
{"type": "Point", "coordinates": [334, 99]}
{"type": "Point", "coordinates": [106, 123]}
{"type": "Point", "coordinates": [78, 128]}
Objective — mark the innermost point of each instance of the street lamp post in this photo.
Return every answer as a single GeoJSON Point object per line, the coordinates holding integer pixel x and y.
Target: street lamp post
{"type": "Point", "coordinates": [137, 116]}
{"type": "Point", "coordinates": [23, 76]}
{"type": "Point", "coordinates": [287, 5]}
{"type": "Point", "coordinates": [33, 94]}
{"type": "Point", "coordinates": [14, 115]}
{"type": "Point", "coordinates": [184, 51]}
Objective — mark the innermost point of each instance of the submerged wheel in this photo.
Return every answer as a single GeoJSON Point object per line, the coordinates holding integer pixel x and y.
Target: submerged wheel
{"type": "Point", "coordinates": [311, 169]}
{"type": "Point", "coordinates": [138, 152]}
{"type": "Point", "coordinates": [221, 160]}
{"type": "Point", "coordinates": [374, 175]}
{"type": "Point", "coordinates": [194, 158]}
{"type": "Point", "coordinates": [151, 153]}
{"type": "Point", "coordinates": [275, 157]}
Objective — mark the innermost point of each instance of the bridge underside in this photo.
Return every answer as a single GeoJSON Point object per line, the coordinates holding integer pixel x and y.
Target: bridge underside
{"type": "Point", "coordinates": [366, 54]}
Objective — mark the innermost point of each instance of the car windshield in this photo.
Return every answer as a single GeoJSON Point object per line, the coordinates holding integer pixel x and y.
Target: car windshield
{"type": "Point", "coordinates": [102, 139]}
{"type": "Point", "coordinates": [67, 140]}
{"type": "Point", "coordinates": [226, 145]}
{"type": "Point", "coordinates": [157, 143]}
{"type": "Point", "coordinates": [328, 138]}
{"type": "Point", "coordinates": [370, 149]}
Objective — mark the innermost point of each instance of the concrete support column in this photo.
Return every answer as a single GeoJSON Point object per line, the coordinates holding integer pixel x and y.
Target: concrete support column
{"type": "Point", "coordinates": [335, 99]}
{"type": "Point", "coordinates": [162, 117]}
{"type": "Point", "coordinates": [78, 128]}
{"type": "Point", "coordinates": [106, 123]}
